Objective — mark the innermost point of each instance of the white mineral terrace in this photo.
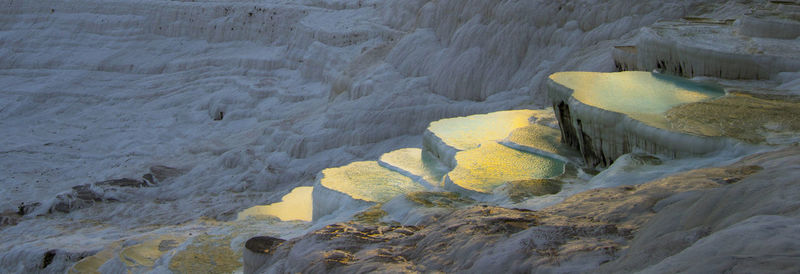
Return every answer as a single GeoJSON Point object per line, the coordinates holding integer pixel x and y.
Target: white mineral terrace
{"type": "Point", "coordinates": [643, 96]}
{"type": "Point", "coordinates": [698, 48]}
{"type": "Point", "coordinates": [219, 116]}
{"type": "Point", "coordinates": [607, 115]}
{"type": "Point", "coordinates": [446, 137]}
{"type": "Point", "coordinates": [481, 162]}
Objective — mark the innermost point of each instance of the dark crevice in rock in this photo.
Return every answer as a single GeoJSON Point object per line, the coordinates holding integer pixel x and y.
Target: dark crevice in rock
{"type": "Point", "coordinates": [263, 244]}
{"type": "Point", "coordinates": [47, 259]}
{"type": "Point", "coordinates": [568, 134]}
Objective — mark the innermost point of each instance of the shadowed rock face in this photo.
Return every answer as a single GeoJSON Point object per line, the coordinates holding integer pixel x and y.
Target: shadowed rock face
{"type": "Point", "coordinates": [263, 244]}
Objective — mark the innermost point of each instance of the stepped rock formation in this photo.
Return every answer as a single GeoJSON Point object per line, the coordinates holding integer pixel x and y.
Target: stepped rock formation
{"type": "Point", "coordinates": [656, 227]}
{"type": "Point", "coordinates": [253, 102]}
{"type": "Point", "coordinates": [606, 115]}
{"type": "Point", "coordinates": [651, 227]}
{"type": "Point", "coordinates": [482, 150]}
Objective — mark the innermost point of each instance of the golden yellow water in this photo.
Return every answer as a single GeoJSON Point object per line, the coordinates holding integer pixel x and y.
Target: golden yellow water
{"type": "Point", "coordinates": [368, 181]}
{"type": "Point", "coordinates": [543, 138]}
{"type": "Point", "coordinates": [491, 165]}
{"type": "Point", "coordinates": [294, 206]}
{"type": "Point", "coordinates": [92, 263]}
{"type": "Point", "coordinates": [146, 253]}
{"type": "Point", "coordinates": [469, 132]}
{"type": "Point", "coordinates": [416, 162]}
{"type": "Point", "coordinates": [641, 95]}
{"type": "Point", "coordinates": [207, 254]}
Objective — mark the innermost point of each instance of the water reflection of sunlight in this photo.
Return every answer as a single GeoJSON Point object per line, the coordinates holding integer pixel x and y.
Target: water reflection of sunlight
{"type": "Point", "coordinates": [368, 181]}
{"type": "Point", "coordinates": [469, 132]}
{"type": "Point", "coordinates": [485, 168]}
{"type": "Point", "coordinates": [644, 96]}
{"type": "Point", "coordinates": [295, 206]}
{"type": "Point", "coordinates": [417, 163]}
{"type": "Point", "coordinates": [146, 253]}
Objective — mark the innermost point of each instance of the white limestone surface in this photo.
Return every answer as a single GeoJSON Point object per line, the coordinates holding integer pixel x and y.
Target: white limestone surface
{"type": "Point", "coordinates": [692, 49]}
{"type": "Point", "coordinates": [92, 90]}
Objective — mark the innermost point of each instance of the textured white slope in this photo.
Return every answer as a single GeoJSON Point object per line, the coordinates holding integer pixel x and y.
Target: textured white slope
{"type": "Point", "coordinates": [96, 90]}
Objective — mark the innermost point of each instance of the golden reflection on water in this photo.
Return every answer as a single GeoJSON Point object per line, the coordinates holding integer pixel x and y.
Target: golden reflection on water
{"type": "Point", "coordinates": [543, 138]}
{"type": "Point", "coordinates": [207, 254]}
{"type": "Point", "coordinates": [416, 162]}
{"type": "Point", "coordinates": [469, 132]}
{"type": "Point", "coordinates": [485, 168]}
{"type": "Point", "coordinates": [295, 206]}
{"type": "Point", "coordinates": [641, 95]}
{"type": "Point", "coordinates": [146, 253]}
{"type": "Point", "coordinates": [368, 181]}
{"type": "Point", "coordinates": [92, 263]}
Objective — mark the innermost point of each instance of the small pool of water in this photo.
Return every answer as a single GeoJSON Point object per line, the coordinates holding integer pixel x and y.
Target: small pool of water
{"type": "Point", "coordinates": [368, 181]}
{"type": "Point", "coordinates": [416, 163]}
{"type": "Point", "coordinates": [644, 96]}
{"type": "Point", "coordinates": [491, 165]}
{"type": "Point", "coordinates": [294, 206]}
{"type": "Point", "coordinates": [540, 139]}
{"type": "Point", "coordinates": [463, 133]}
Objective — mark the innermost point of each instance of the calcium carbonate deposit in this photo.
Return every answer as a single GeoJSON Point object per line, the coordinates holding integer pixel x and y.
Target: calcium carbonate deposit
{"type": "Point", "coordinates": [158, 136]}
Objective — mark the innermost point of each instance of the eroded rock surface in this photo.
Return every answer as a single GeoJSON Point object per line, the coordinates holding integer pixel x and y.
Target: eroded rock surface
{"type": "Point", "coordinates": [725, 225]}
{"type": "Point", "coordinates": [462, 240]}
